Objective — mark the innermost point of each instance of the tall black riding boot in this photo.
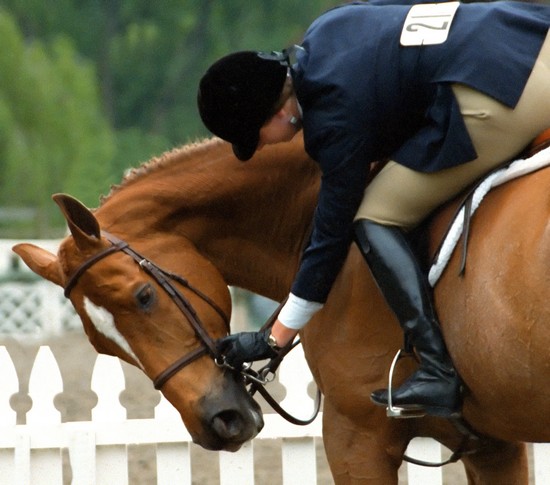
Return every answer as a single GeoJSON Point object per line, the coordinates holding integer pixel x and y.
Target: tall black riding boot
{"type": "Point", "coordinates": [435, 386]}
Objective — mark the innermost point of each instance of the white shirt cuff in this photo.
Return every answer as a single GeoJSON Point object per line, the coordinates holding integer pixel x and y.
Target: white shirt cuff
{"type": "Point", "coordinates": [297, 312]}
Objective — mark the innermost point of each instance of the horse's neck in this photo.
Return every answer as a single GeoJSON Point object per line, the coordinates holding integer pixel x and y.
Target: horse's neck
{"type": "Point", "coordinates": [250, 220]}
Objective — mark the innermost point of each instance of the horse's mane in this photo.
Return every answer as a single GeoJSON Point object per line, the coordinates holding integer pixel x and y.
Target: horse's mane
{"type": "Point", "coordinates": [175, 155]}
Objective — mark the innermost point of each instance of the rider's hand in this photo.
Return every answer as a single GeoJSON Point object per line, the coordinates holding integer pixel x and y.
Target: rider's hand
{"type": "Point", "coordinates": [245, 347]}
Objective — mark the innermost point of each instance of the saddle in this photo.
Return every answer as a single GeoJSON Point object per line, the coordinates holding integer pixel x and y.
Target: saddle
{"type": "Point", "coordinates": [535, 157]}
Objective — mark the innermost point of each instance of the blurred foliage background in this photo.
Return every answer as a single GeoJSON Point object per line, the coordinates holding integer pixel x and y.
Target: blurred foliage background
{"type": "Point", "coordinates": [89, 88]}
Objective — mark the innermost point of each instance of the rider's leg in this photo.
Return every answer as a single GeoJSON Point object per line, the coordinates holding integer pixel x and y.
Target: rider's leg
{"type": "Point", "coordinates": [399, 197]}
{"type": "Point", "coordinates": [435, 386]}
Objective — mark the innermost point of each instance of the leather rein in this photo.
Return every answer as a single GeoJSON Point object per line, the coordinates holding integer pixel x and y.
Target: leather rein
{"type": "Point", "coordinates": [165, 279]}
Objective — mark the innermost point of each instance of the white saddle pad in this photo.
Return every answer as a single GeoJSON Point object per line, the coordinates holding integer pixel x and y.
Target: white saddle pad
{"type": "Point", "coordinates": [514, 170]}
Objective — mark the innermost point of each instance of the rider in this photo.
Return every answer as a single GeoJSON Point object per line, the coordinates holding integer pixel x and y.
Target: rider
{"type": "Point", "coordinates": [445, 92]}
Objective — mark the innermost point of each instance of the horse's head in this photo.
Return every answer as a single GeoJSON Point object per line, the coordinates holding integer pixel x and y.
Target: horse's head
{"type": "Point", "coordinates": [128, 309]}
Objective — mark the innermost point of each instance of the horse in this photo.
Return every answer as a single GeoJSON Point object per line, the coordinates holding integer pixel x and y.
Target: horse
{"type": "Point", "coordinates": [198, 212]}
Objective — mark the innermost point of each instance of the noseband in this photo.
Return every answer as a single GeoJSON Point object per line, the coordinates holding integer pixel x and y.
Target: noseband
{"type": "Point", "coordinates": [164, 279]}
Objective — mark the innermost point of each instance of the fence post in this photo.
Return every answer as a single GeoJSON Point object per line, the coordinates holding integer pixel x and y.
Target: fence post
{"type": "Point", "coordinates": [173, 459]}
{"type": "Point", "coordinates": [299, 461]}
{"type": "Point", "coordinates": [237, 467]}
{"type": "Point", "coordinates": [22, 458]}
{"type": "Point", "coordinates": [541, 455]}
{"type": "Point", "coordinates": [295, 376]}
{"type": "Point", "coordinates": [298, 454]}
{"type": "Point", "coordinates": [10, 386]}
{"type": "Point", "coordinates": [108, 382]}
{"type": "Point", "coordinates": [429, 450]}
{"type": "Point", "coordinates": [45, 383]}
{"type": "Point", "coordinates": [82, 449]}
{"type": "Point", "coordinates": [8, 417]}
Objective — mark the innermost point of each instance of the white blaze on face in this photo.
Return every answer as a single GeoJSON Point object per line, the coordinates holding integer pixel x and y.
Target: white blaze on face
{"type": "Point", "coordinates": [104, 322]}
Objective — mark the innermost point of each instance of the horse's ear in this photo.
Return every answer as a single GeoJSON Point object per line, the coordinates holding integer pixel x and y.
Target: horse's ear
{"type": "Point", "coordinates": [42, 262]}
{"type": "Point", "coordinates": [82, 223]}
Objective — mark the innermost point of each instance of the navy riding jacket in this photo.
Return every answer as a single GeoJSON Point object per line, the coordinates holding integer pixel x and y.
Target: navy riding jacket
{"type": "Point", "coordinates": [365, 98]}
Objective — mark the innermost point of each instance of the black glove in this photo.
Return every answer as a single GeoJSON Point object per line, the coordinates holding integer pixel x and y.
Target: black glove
{"type": "Point", "coordinates": [245, 347]}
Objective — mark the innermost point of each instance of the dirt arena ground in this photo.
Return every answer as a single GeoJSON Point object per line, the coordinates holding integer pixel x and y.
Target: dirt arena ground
{"type": "Point", "coordinates": [76, 358]}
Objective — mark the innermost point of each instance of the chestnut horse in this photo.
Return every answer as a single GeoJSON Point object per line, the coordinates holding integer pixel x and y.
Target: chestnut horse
{"type": "Point", "coordinates": [200, 213]}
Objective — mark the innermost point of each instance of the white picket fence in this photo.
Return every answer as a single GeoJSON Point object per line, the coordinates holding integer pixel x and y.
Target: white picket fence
{"type": "Point", "coordinates": [31, 453]}
{"type": "Point", "coordinates": [97, 449]}
{"type": "Point", "coordinates": [37, 451]}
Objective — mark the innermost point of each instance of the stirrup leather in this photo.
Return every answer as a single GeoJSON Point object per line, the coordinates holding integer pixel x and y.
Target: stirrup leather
{"type": "Point", "coordinates": [395, 411]}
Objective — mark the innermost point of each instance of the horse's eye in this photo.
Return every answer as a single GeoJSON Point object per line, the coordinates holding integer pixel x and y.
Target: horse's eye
{"type": "Point", "coordinates": [145, 296]}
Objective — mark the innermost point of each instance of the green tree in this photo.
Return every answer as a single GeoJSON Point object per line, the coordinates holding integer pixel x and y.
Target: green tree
{"type": "Point", "coordinates": [90, 88]}
{"type": "Point", "coordinates": [53, 137]}
{"type": "Point", "coordinates": [150, 55]}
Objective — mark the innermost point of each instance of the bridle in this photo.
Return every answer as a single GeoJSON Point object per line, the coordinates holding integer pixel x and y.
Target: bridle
{"type": "Point", "coordinates": [165, 279]}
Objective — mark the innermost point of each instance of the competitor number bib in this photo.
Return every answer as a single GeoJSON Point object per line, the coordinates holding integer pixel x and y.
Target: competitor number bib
{"type": "Point", "coordinates": [428, 23]}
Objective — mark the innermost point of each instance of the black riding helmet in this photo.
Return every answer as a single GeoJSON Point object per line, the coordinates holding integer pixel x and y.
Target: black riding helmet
{"type": "Point", "coordinates": [237, 95]}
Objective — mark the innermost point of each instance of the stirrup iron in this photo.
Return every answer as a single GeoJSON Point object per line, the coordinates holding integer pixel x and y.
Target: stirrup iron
{"type": "Point", "coordinates": [395, 411]}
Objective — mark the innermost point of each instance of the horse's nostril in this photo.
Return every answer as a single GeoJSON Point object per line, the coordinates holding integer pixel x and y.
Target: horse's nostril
{"type": "Point", "coordinates": [228, 424]}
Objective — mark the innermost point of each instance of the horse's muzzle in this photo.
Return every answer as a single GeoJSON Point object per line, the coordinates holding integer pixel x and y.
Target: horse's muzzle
{"type": "Point", "coordinates": [229, 418]}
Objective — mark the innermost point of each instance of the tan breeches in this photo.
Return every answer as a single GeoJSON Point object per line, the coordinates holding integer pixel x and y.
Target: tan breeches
{"type": "Point", "coordinates": [403, 197]}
